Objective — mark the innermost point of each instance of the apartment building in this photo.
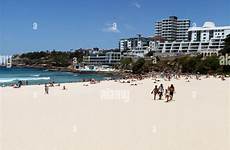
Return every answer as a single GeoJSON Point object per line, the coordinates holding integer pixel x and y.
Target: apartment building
{"type": "Point", "coordinates": [107, 58]}
{"type": "Point", "coordinates": [208, 32]}
{"type": "Point", "coordinates": [173, 29]}
{"type": "Point", "coordinates": [135, 46]}
{"type": "Point", "coordinates": [205, 39]}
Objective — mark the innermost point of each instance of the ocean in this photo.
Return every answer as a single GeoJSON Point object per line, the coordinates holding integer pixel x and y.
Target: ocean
{"type": "Point", "coordinates": [10, 76]}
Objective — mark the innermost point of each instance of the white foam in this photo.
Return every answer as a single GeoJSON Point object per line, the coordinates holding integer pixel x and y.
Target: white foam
{"type": "Point", "coordinates": [36, 75]}
{"type": "Point", "coordinates": [4, 80]}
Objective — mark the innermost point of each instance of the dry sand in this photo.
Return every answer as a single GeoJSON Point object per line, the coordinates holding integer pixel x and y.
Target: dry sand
{"type": "Point", "coordinates": [116, 116]}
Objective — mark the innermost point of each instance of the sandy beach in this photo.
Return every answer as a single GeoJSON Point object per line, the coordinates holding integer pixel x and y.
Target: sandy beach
{"type": "Point", "coordinates": [116, 116]}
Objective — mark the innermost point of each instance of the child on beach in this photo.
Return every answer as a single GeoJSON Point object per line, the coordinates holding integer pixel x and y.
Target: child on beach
{"type": "Point", "coordinates": [167, 94]}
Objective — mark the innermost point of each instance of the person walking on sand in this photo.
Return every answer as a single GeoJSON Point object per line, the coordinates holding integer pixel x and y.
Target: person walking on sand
{"type": "Point", "coordinates": [169, 77]}
{"type": "Point", "coordinates": [64, 87]}
{"type": "Point", "coordinates": [46, 89]}
{"type": "Point", "coordinates": [167, 95]}
{"type": "Point", "coordinates": [160, 91]}
{"type": "Point", "coordinates": [171, 91]}
{"type": "Point", "coordinates": [155, 92]}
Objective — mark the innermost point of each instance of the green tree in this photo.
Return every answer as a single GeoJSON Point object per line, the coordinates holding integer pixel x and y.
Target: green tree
{"type": "Point", "coordinates": [126, 63]}
{"type": "Point", "coordinates": [148, 66]}
{"type": "Point", "coordinates": [226, 49]}
{"type": "Point", "coordinates": [137, 66]}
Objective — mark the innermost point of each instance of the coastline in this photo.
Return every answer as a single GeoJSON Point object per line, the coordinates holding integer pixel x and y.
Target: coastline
{"type": "Point", "coordinates": [112, 75]}
{"type": "Point", "coordinates": [38, 75]}
{"type": "Point", "coordinates": [67, 69]}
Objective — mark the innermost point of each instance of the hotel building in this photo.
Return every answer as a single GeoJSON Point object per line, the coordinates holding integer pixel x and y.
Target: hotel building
{"type": "Point", "coordinates": [206, 39]}
{"type": "Point", "coordinates": [174, 36]}
{"type": "Point", "coordinates": [135, 46]}
{"type": "Point", "coordinates": [173, 29]}
{"type": "Point", "coordinates": [208, 32]}
{"type": "Point", "coordinates": [107, 58]}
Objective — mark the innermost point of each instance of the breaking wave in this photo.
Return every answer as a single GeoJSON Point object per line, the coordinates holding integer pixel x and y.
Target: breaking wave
{"type": "Point", "coordinates": [5, 80]}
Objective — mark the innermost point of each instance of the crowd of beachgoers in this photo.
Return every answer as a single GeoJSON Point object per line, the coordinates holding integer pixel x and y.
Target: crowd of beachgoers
{"type": "Point", "coordinates": [131, 78]}
{"type": "Point", "coordinates": [159, 90]}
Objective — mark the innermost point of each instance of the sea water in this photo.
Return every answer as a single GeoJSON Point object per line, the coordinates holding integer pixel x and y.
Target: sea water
{"type": "Point", "coordinates": [10, 76]}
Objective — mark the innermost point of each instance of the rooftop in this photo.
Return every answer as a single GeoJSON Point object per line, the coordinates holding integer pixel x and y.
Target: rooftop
{"type": "Point", "coordinates": [209, 26]}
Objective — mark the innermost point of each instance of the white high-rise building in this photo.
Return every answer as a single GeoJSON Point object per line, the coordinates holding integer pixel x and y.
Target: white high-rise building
{"type": "Point", "coordinates": [206, 39]}
{"type": "Point", "coordinates": [172, 29]}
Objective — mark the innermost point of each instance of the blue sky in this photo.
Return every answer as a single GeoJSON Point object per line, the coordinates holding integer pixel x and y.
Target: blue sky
{"type": "Point", "coordinates": [72, 24]}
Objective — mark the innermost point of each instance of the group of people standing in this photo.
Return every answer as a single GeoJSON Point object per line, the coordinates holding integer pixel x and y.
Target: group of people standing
{"type": "Point", "coordinates": [160, 91]}
{"type": "Point", "coordinates": [52, 85]}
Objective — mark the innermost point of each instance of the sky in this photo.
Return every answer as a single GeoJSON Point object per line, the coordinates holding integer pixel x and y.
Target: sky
{"type": "Point", "coordinates": [34, 25]}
